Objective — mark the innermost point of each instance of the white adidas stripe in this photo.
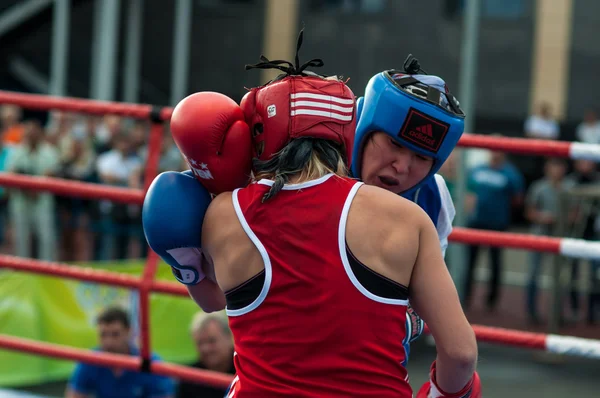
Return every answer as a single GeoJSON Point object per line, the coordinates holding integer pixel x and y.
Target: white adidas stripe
{"type": "Point", "coordinates": [297, 104]}
{"type": "Point", "coordinates": [339, 100]}
{"type": "Point", "coordinates": [345, 118]}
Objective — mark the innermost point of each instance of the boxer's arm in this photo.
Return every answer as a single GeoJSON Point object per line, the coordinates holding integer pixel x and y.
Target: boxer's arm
{"type": "Point", "coordinates": [207, 294]}
{"type": "Point", "coordinates": [434, 297]}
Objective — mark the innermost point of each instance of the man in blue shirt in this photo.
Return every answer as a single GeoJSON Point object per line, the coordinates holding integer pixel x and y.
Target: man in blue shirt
{"type": "Point", "coordinates": [103, 382]}
{"type": "Point", "coordinates": [494, 189]}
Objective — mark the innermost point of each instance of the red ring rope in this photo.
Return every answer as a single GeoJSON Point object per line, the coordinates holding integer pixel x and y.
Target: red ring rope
{"type": "Point", "coordinates": [215, 379]}
{"type": "Point", "coordinates": [515, 145]}
{"type": "Point", "coordinates": [87, 274]}
{"type": "Point", "coordinates": [525, 146]}
{"type": "Point", "coordinates": [63, 187]}
{"type": "Point", "coordinates": [79, 105]}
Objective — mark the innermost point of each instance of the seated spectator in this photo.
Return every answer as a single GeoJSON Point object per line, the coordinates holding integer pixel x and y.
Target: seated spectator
{"type": "Point", "coordinates": [493, 190]}
{"type": "Point", "coordinates": [542, 125]}
{"type": "Point", "coordinates": [214, 343]}
{"type": "Point", "coordinates": [588, 130]}
{"type": "Point", "coordinates": [541, 209]}
{"type": "Point", "coordinates": [104, 382]}
{"type": "Point", "coordinates": [33, 213]}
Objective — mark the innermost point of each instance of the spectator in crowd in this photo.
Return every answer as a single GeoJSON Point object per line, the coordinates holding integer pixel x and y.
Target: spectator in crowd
{"type": "Point", "coordinates": [493, 189]}
{"type": "Point", "coordinates": [585, 173]}
{"type": "Point", "coordinates": [214, 344]}
{"type": "Point", "coordinates": [77, 162]}
{"type": "Point", "coordinates": [139, 134]}
{"type": "Point", "coordinates": [105, 131]}
{"type": "Point", "coordinates": [31, 212]}
{"type": "Point", "coordinates": [588, 130]}
{"type": "Point", "coordinates": [11, 128]}
{"type": "Point", "coordinates": [58, 128]}
{"type": "Point", "coordinates": [116, 167]}
{"type": "Point", "coordinates": [542, 125]}
{"type": "Point", "coordinates": [541, 209]}
{"type": "Point", "coordinates": [103, 382]}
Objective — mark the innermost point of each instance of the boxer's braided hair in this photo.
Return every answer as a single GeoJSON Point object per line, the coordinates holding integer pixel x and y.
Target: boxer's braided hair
{"type": "Point", "coordinates": [303, 157]}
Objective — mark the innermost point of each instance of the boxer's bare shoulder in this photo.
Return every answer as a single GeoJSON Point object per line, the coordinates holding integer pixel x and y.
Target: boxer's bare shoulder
{"type": "Point", "coordinates": [235, 257]}
{"type": "Point", "coordinates": [220, 212]}
{"type": "Point", "coordinates": [383, 232]}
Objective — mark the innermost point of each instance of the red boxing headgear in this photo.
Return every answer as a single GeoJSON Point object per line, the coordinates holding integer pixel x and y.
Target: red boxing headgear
{"type": "Point", "coordinates": [299, 104]}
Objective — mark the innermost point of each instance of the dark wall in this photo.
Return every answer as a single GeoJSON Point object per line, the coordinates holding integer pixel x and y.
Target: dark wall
{"type": "Point", "coordinates": [354, 43]}
{"type": "Point", "coordinates": [584, 68]}
{"type": "Point", "coordinates": [359, 44]}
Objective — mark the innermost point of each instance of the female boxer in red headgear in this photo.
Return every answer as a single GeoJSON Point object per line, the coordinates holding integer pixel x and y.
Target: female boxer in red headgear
{"type": "Point", "coordinates": [317, 268]}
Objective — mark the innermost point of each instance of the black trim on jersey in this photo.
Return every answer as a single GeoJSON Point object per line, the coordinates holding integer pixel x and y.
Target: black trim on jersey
{"type": "Point", "coordinates": [243, 295]}
{"type": "Point", "coordinates": [375, 283]}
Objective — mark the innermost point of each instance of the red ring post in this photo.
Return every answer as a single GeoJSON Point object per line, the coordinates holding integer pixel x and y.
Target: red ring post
{"type": "Point", "coordinates": [154, 149]}
{"type": "Point", "coordinates": [144, 292]}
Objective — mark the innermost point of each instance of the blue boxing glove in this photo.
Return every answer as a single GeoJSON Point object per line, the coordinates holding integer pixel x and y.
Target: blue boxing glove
{"type": "Point", "coordinates": [172, 216]}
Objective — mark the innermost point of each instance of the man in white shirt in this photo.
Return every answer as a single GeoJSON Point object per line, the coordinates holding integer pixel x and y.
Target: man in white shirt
{"type": "Point", "coordinates": [588, 130]}
{"type": "Point", "coordinates": [32, 213]}
{"type": "Point", "coordinates": [542, 125]}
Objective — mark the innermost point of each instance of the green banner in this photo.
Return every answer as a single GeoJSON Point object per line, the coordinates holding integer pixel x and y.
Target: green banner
{"type": "Point", "coordinates": [63, 311]}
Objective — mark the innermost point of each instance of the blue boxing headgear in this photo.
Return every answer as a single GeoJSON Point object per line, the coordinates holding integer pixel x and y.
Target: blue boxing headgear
{"type": "Point", "coordinates": [417, 111]}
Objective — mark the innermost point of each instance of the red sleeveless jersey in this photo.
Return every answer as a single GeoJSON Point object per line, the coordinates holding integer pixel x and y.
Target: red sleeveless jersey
{"type": "Point", "coordinates": [314, 330]}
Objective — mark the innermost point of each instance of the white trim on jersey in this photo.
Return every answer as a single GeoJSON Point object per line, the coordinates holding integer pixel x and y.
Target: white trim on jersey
{"type": "Point", "coordinates": [344, 256]}
{"type": "Point", "coordinates": [263, 253]}
{"type": "Point", "coordinates": [292, 187]}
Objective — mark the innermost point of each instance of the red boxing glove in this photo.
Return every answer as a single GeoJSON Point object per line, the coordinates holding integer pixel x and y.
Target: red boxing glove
{"type": "Point", "coordinates": [431, 390]}
{"type": "Point", "coordinates": [210, 132]}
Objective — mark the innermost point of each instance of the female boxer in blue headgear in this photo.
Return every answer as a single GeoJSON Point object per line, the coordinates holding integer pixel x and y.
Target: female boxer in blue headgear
{"type": "Point", "coordinates": [408, 124]}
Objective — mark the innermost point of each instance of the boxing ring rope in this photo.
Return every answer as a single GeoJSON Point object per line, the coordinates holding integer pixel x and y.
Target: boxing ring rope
{"type": "Point", "coordinates": [546, 342]}
{"type": "Point", "coordinates": [568, 247]}
{"type": "Point", "coordinates": [128, 362]}
{"type": "Point", "coordinates": [147, 283]}
{"type": "Point", "coordinates": [524, 146]}
{"type": "Point", "coordinates": [531, 146]}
